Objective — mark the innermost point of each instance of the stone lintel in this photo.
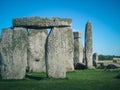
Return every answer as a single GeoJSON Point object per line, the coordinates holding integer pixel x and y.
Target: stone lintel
{"type": "Point", "coordinates": [77, 35]}
{"type": "Point", "coordinates": [41, 22]}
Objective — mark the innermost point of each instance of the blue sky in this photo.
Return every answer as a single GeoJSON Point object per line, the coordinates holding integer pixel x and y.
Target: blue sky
{"type": "Point", "coordinates": [103, 14]}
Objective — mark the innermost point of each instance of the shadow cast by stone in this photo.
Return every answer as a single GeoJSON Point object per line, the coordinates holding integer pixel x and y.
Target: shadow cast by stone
{"type": "Point", "coordinates": [33, 77]}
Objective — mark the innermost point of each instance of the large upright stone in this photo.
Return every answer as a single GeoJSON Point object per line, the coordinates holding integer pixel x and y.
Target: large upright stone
{"type": "Point", "coordinates": [59, 52]}
{"type": "Point", "coordinates": [6, 54]}
{"type": "Point", "coordinates": [69, 48]}
{"type": "Point", "coordinates": [78, 48]}
{"type": "Point", "coordinates": [40, 22]}
{"type": "Point", "coordinates": [88, 45]}
{"type": "Point", "coordinates": [20, 44]}
{"type": "Point", "coordinates": [13, 53]}
{"type": "Point", "coordinates": [36, 50]}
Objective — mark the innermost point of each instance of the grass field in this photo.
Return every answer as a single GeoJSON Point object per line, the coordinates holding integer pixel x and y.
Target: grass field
{"type": "Point", "coordinates": [76, 80]}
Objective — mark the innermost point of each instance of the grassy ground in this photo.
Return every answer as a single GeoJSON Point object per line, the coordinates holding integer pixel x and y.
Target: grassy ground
{"type": "Point", "coordinates": [76, 80]}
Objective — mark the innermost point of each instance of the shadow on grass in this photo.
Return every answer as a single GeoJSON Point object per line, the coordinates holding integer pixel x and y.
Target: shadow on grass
{"type": "Point", "coordinates": [118, 76]}
{"type": "Point", "coordinates": [34, 77]}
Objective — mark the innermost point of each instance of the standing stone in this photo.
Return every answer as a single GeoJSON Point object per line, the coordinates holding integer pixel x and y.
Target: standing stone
{"type": "Point", "coordinates": [6, 55]}
{"type": "Point", "coordinates": [20, 44]}
{"type": "Point", "coordinates": [88, 45]}
{"type": "Point", "coordinates": [36, 50]}
{"type": "Point", "coordinates": [69, 46]}
{"type": "Point", "coordinates": [13, 53]}
{"type": "Point", "coordinates": [95, 59]}
{"type": "Point", "coordinates": [59, 52]}
{"type": "Point", "coordinates": [78, 48]}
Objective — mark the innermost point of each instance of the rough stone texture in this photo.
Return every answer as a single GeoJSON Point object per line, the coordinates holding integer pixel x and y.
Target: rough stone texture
{"type": "Point", "coordinates": [6, 55]}
{"type": "Point", "coordinates": [69, 43]}
{"type": "Point", "coordinates": [88, 45]}
{"type": "Point", "coordinates": [78, 48]}
{"type": "Point", "coordinates": [40, 22]}
{"type": "Point", "coordinates": [59, 52]}
{"type": "Point", "coordinates": [36, 50]}
{"type": "Point", "coordinates": [13, 53]}
{"type": "Point", "coordinates": [95, 59]}
{"type": "Point", "coordinates": [20, 44]}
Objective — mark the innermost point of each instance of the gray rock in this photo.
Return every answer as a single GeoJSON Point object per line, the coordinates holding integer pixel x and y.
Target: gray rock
{"type": "Point", "coordinates": [78, 48]}
{"type": "Point", "coordinates": [59, 52]}
{"type": "Point", "coordinates": [13, 53]}
{"type": "Point", "coordinates": [95, 59]}
{"type": "Point", "coordinates": [6, 54]}
{"type": "Point", "coordinates": [88, 45]}
{"type": "Point", "coordinates": [20, 44]}
{"type": "Point", "coordinates": [111, 66]}
{"type": "Point", "coordinates": [40, 22]}
{"type": "Point", "coordinates": [36, 50]}
{"type": "Point", "coordinates": [69, 48]}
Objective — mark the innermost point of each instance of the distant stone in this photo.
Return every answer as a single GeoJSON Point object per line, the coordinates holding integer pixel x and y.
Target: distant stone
{"type": "Point", "coordinates": [40, 22]}
{"type": "Point", "coordinates": [13, 53]}
{"type": "Point", "coordinates": [78, 48]}
{"type": "Point", "coordinates": [111, 66]}
{"type": "Point", "coordinates": [88, 45]}
{"type": "Point", "coordinates": [59, 52]}
{"type": "Point", "coordinates": [36, 50]}
{"type": "Point", "coordinates": [95, 59]}
{"type": "Point", "coordinates": [77, 35]}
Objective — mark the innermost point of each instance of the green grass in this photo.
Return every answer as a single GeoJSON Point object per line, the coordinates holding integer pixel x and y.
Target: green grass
{"type": "Point", "coordinates": [76, 80]}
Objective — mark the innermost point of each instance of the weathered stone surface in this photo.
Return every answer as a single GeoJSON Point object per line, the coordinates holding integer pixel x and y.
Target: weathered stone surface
{"type": "Point", "coordinates": [40, 22]}
{"type": "Point", "coordinates": [59, 52]}
{"type": "Point", "coordinates": [95, 59]}
{"type": "Point", "coordinates": [77, 35]}
{"type": "Point", "coordinates": [69, 46]}
{"type": "Point", "coordinates": [78, 48]}
{"type": "Point", "coordinates": [88, 45]}
{"type": "Point", "coordinates": [36, 50]}
{"type": "Point", "coordinates": [20, 44]}
{"type": "Point", "coordinates": [6, 55]}
{"type": "Point", "coordinates": [13, 53]}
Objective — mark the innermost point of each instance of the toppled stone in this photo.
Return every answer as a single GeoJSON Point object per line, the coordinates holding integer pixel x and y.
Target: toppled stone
{"type": "Point", "coordinates": [36, 50]}
{"type": "Point", "coordinates": [78, 48]}
{"type": "Point", "coordinates": [13, 53]}
{"type": "Point", "coordinates": [40, 22]}
{"type": "Point", "coordinates": [60, 52]}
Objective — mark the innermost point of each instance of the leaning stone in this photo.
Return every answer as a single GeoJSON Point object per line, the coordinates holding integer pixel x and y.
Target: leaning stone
{"type": "Point", "coordinates": [78, 48]}
{"type": "Point", "coordinates": [40, 22]}
{"type": "Point", "coordinates": [36, 50]}
{"type": "Point", "coordinates": [58, 53]}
